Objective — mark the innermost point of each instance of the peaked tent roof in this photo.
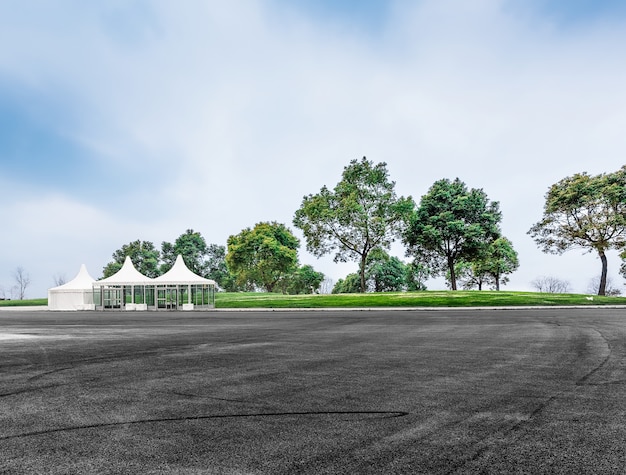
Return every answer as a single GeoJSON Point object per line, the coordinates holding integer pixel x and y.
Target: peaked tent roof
{"type": "Point", "coordinates": [82, 281]}
{"type": "Point", "coordinates": [126, 275]}
{"type": "Point", "coordinates": [180, 274]}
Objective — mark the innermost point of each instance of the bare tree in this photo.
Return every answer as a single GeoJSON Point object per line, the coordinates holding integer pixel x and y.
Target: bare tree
{"type": "Point", "coordinates": [611, 290]}
{"type": "Point", "coordinates": [551, 285]}
{"type": "Point", "coordinates": [59, 279]}
{"type": "Point", "coordinates": [326, 286]}
{"type": "Point", "coordinates": [22, 281]}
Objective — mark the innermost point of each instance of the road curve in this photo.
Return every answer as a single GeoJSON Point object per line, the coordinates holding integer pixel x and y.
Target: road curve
{"type": "Point", "coordinates": [411, 391]}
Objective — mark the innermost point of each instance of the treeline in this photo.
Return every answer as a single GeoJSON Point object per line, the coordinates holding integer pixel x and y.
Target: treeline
{"type": "Point", "coordinates": [262, 258]}
{"type": "Point", "coordinates": [454, 231]}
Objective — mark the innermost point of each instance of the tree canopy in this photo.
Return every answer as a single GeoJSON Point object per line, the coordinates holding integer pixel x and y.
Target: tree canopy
{"type": "Point", "coordinates": [263, 255]}
{"type": "Point", "coordinates": [304, 280]}
{"type": "Point", "coordinates": [451, 224]}
{"type": "Point", "coordinates": [491, 267]}
{"type": "Point", "coordinates": [500, 260]}
{"type": "Point", "coordinates": [360, 214]}
{"type": "Point", "coordinates": [586, 212]}
{"type": "Point", "coordinates": [385, 273]}
{"type": "Point", "coordinates": [192, 246]}
{"type": "Point", "coordinates": [144, 255]}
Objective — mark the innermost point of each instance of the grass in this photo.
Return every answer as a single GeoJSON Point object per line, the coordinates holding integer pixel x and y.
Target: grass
{"type": "Point", "coordinates": [430, 298]}
{"type": "Point", "coordinates": [446, 298]}
{"type": "Point", "coordinates": [24, 303]}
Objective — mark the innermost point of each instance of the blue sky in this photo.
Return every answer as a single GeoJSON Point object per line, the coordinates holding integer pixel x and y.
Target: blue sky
{"type": "Point", "coordinates": [126, 120]}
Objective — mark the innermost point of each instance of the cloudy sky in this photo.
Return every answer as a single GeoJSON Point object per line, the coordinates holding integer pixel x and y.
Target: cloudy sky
{"type": "Point", "coordinates": [138, 119]}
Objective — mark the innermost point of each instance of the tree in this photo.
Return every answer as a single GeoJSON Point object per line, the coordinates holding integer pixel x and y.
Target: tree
{"type": "Point", "coordinates": [470, 275]}
{"type": "Point", "coordinates": [622, 269]}
{"type": "Point", "coordinates": [451, 224]}
{"type": "Point", "coordinates": [144, 255]}
{"type": "Point", "coordinates": [22, 281]}
{"type": "Point", "coordinates": [304, 280]}
{"type": "Point", "coordinates": [586, 212]}
{"type": "Point", "coordinates": [416, 276]}
{"type": "Point", "coordinates": [192, 247]}
{"type": "Point", "coordinates": [611, 289]}
{"type": "Point", "coordinates": [262, 256]}
{"type": "Point", "coordinates": [385, 273]}
{"type": "Point", "coordinates": [217, 269]}
{"type": "Point", "coordinates": [326, 286]}
{"type": "Point", "coordinates": [59, 279]}
{"type": "Point", "coordinates": [551, 285]}
{"type": "Point", "coordinates": [360, 214]}
{"type": "Point", "coordinates": [502, 259]}
{"type": "Point", "coordinates": [491, 266]}
{"type": "Point", "coordinates": [350, 285]}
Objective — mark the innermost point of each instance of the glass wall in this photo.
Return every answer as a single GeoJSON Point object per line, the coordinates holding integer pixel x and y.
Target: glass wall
{"type": "Point", "coordinates": [159, 297]}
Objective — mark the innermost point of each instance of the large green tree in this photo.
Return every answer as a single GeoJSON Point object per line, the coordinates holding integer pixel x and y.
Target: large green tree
{"type": "Point", "coordinates": [350, 285]}
{"type": "Point", "coordinates": [144, 255]}
{"type": "Point", "coordinates": [452, 223]}
{"type": "Point", "coordinates": [217, 269]}
{"type": "Point", "coordinates": [501, 259]}
{"type": "Point", "coordinates": [192, 246]}
{"type": "Point", "coordinates": [385, 273]}
{"type": "Point", "coordinates": [263, 256]}
{"type": "Point", "coordinates": [586, 212]}
{"type": "Point", "coordinates": [491, 267]}
{"type": "Point", "coordinates": [416, 276]}
{"type": "Point", "coordinates": [304, 280]}
{"type": "Point", "coordinates": [360, 214]}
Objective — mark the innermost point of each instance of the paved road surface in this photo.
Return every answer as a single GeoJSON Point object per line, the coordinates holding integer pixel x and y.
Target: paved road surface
{"type": "Point", "coordinates": [430, 391]}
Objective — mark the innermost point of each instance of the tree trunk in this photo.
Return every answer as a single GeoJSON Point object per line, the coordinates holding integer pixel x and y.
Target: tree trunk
{"type": "Point", "coordinates": [602, 289]}
{"type": "Point", "coordinates": [452, 273]}
{"type": "Point", "coordinates": [362, 272]}
{"type": "Point", "coordinates": [497, 281]}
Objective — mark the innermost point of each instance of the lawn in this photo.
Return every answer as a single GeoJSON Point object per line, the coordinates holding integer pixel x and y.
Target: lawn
{"type": "Point", "coordinates": [430, 298]}
{"type": "Point", "coordinates": [23, 303]}
{"type": "Point", "coordinates": [470, 298]}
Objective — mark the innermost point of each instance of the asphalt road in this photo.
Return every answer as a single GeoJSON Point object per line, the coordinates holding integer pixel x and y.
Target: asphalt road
{"type": "Point", "coordinates": [428, 391]}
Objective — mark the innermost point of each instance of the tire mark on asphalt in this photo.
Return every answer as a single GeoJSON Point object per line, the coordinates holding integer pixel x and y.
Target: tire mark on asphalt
{"type": "Point", "coordinates": [46, 373]}
{"type": "Point", "coordinates": [380, 414]}
{"type": "Point", "coordinates": [202, 396]}
{"type": "Point", "coordinates": [27, 390]}
{"type": "Point", "coordinates": [582, 381]}
{"type": "Point", "coordinates": [482, 447]}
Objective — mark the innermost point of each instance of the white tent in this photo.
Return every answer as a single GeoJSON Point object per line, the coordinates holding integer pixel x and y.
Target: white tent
{"type": "Point", "coordinates": [178, 288]}
{"type": "Point", "coordinates": [125, 289]}
{"type": "Point", "coordinates": [180, 274]}
{"type": "Point", "coordinates": [127, 275]}
{"type": "Point", "coordinates": [76, 294]}
{"type": "Point", "coordinates": [190, 290]}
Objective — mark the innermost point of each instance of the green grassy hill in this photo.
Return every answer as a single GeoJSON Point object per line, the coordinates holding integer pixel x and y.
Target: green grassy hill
{"type": "Point", "coordinates": [471, 298]}
{"type": "Point", "coordinates": [23, 303]}
{"type": "Point", "coordinates": [430, 298]}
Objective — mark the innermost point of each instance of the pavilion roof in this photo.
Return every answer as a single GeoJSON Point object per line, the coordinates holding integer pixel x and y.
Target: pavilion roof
{"type": "Point", "coordinates": [126, 275]}
{"type": "Point", "coordinates": [180, 274]}
{"type": "Point", "coordinates": [82, 281]}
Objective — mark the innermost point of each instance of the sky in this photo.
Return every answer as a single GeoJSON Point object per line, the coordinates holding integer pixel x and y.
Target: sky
{"type": "Point", "coordinates": [139, 119]}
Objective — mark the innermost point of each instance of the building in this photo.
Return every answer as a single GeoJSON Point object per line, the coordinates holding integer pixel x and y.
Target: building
{"type": "Point", "coordinates": [129, 289]}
